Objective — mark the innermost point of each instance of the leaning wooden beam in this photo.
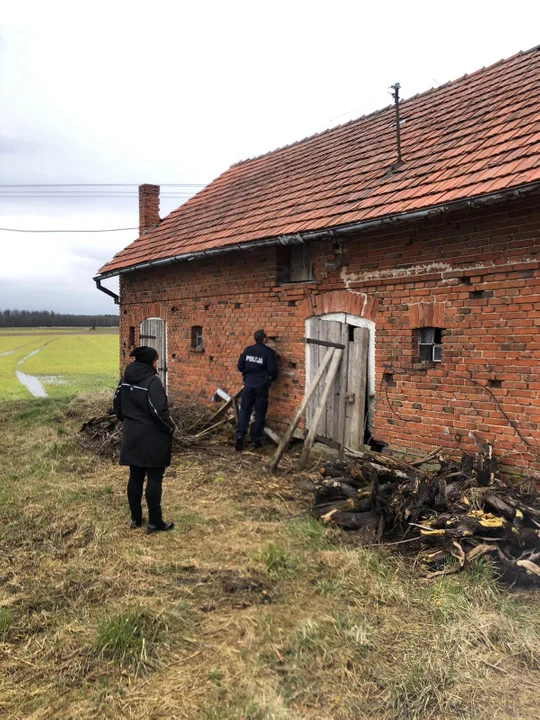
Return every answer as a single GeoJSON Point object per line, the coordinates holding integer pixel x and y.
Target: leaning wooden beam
{"type": "Point", "coordinates": [307, 397]}
{"type": "Point", "coordinates": [310, 439]}
{"type": "Point", "coordinates": [228, 404]}
{"type": "Point", "coordinates": [233, 402]}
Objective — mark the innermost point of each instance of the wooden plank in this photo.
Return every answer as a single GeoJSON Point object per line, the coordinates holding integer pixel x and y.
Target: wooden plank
{"type": "Point", "coordinates": [310, 349]}
{"type": "Point", "coordinates": [310, 439]}
{"type": "Point", "coordinates": [312, 341]}
{"type": "Point", "coordinates": [301, 266]}
{"type": "Point", "coordinates": [305, 401]}
{"type": "Point", "coordinates": [350, 389]}
{"type": "Point", "coordinates": [314, 361]}
{"type": "Point", "coordinates": [324, 329]}
{"type": "Point", "coordinates": [329, 425]}
{"type": "Point", "coordinates": [344, 389]}
{"type": "Point", "coordinates": [358, 382]}
{"type": "Point", "coordinates": [231, 402]}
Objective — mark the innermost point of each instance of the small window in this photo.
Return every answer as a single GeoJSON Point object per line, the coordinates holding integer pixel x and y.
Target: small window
{"type": "Point", "coordinates": [429, 344]}
{"type": "Point", "coordinates": [196, 337]}
{"type": "Point", "coordinates": [294, 263]}
{"type": "Point", "coordinates": [131, 336]}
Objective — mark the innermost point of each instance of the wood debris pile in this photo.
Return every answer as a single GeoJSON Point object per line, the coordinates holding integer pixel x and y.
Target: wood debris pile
{"type": "Point", "coordinates": [103, 434]}
{"type": "Point", "coordinates": [457, 513]}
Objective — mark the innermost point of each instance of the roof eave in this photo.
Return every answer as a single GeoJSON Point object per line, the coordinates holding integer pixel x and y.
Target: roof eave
{"type": "Point", "coordinates": [296, 238]}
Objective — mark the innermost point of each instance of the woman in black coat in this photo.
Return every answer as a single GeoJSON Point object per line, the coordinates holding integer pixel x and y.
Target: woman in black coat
{"type": "Point", "coordinates": [140, 403]}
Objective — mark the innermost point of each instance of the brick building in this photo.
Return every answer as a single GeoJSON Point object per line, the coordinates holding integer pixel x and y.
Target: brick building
{"type": "Point", "coordinates": [425, 268]}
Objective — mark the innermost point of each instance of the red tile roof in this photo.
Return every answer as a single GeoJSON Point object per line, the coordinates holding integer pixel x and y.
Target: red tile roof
{"type": "Point", "coordinates": [477, 135]}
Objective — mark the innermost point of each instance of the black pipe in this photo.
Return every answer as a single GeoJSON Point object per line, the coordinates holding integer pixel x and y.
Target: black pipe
{"type": "Point", "coordinates": [107, 291]}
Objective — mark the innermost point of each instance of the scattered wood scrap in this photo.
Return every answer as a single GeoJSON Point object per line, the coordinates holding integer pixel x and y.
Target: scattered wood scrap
{"type": "Point", "coordinates": [194, 423]}
{"type": "Point", "coordinates": [458, 513]}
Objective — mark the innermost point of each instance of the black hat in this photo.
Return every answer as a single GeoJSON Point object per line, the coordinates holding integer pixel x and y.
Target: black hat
{"type": "Point", "coordinates": [144, 354]}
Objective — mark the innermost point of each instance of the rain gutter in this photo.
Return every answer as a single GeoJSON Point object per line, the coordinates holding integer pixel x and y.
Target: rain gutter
{"type": "Point", "coordinates": [298, 238]}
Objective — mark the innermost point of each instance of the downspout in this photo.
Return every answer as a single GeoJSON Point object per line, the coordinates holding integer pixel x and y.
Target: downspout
{"type": "Point", "coordinates": [105, 290]}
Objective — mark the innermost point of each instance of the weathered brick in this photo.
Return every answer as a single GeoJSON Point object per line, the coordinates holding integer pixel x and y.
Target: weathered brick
{"type": "Point", "coordinates": [399, 278]}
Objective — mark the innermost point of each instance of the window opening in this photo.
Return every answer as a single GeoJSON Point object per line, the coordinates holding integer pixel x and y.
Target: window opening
{"type": "Point", "coordinates": [294, 263]}
{"type": "Point", "coordinates": [131, 337]}
{"type": "Point", "coordinates": [429, 344]}
{"type": "Point", "coordinates": [197, 337]}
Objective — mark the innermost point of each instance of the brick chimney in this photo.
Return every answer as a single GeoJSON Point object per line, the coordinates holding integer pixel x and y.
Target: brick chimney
{"type": "Point", "coordinates": [148, 207]}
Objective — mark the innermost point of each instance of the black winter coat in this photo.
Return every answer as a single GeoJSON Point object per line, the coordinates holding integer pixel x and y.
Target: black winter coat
{"type": "Point", "coordinates": [140, 403]}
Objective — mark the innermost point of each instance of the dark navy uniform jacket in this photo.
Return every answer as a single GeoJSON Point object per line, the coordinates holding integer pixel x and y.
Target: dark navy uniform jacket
{"type": "Point", "coordinates": [258, 364]}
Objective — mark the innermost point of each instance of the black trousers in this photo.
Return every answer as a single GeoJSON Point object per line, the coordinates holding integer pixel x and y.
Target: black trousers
{"type": "Point", "coordinates": [253, 396]}
{"type": "Point", "coordinates": [153, 493]}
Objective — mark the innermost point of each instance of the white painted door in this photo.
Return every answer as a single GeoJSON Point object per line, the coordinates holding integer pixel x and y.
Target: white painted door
{"type": "Point", "coordinates": [153, 332]}
{"type": "Point", "coordinates": [343, 419]}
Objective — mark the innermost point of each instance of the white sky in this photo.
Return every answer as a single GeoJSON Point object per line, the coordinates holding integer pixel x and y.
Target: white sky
{"type": "Point", "coordinates": [175, 92]}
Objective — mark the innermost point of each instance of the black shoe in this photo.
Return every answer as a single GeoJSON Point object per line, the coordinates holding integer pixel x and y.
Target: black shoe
{"type": "Point", "coordinates": [159, 528]}
{"type": "Point", "coordinates": [239, 445]}
{"type": "Point", "coordinates": [135, 524]}
{"type": "Point", "coordinates": [256, 443]}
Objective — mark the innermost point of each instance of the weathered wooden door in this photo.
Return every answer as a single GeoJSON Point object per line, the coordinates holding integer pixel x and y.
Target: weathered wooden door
{"type": "Point", "coordinates": [343, 419]}
{"type": "Point", "coordinates": [153, 332]}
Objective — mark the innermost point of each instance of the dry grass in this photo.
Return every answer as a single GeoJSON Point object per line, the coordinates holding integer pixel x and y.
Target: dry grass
{"type": "Point", "coordinates": [250, 609]}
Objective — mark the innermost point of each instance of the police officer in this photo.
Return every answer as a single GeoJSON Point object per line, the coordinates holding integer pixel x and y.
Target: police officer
{"type": "Point", "coordinates": [259, 368]}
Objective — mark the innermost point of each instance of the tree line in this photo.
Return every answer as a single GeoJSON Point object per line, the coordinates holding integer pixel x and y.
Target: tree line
{"type": "Point", "coordinates": [48, 318]}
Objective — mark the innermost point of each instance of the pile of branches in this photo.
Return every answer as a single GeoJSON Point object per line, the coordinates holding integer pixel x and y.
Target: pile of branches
{"type": "Point", "coordinates": [457, 513]}
{"type": "Point", "coordinates": [102, 435]}
{"type": "Point", "coordinates": [193, 423]}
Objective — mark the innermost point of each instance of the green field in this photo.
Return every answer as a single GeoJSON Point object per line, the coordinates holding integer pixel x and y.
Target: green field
{"type": "Point", "coordinates": [56, 331]}
{"type": "Point", "coordinates": [67, 361]}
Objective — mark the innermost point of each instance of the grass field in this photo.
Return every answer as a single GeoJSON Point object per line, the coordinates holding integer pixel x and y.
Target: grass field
{"type": "Point", "coordinates": [58, 330]}
{"type": "Point", "coordinates": [248, 610]}
{"type": "Point", "coordinates": [69, 361]}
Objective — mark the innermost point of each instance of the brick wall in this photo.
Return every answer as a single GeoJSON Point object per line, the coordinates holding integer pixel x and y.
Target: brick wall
{"type": "Point", "coordinates": [474, 274]}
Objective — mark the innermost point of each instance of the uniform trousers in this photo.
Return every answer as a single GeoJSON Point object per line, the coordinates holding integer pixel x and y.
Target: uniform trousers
{"type": "Point", "coordinates": [254, 395]}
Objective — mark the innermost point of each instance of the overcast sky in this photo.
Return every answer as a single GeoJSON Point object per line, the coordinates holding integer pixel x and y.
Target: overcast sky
{"type": "Point", "coordinates": [176, 92]}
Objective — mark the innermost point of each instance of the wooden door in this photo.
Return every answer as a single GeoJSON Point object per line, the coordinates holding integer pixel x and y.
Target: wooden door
{"type": "Point", "coordinates": [344, 416]}
{"type": "Point", "coordinates": [326, 331]}
{"type": "Point", "coordinates": [355, 398]}
{"type": "Point", "coordinates": [153, 332]}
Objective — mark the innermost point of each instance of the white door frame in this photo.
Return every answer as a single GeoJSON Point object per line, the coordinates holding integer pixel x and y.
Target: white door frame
{"type": "Point", "coordinates": [156, 317]}
{"type": "Point", "coordinates": [349, 319]}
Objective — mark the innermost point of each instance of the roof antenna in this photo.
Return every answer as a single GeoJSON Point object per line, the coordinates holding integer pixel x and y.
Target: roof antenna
{"type": "Point", "coordinates": [396, 88]}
